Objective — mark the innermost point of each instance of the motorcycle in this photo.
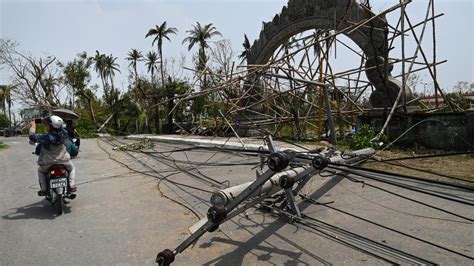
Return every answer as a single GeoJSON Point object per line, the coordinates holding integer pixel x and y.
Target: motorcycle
{"type": "Point", "coordinates": [58, 189]}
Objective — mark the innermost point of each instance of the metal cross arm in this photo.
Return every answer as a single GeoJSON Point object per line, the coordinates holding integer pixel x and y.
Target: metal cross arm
{"type": "Point", "coordinates": [218, 214]}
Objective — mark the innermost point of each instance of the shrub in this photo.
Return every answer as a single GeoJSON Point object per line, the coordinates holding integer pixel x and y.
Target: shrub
{"type": "Point", "coordinates": [363, 138]}
{"type": "Point", "coordinates": [86, 129]}
{"type": "Point", "coordinates": [4, 122]}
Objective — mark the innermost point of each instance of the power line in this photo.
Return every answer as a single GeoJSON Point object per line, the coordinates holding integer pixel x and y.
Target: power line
{"type": "Point", "coordinates": [404, 197]}
{"type": "Point", "coordinates": [321, 226]}
{"type": "Point", "coordinates": [373, 177]}
{"type": "Point", "coordinates": [432, 181]}
{"type": "Point", "coordinates": [383, 226]}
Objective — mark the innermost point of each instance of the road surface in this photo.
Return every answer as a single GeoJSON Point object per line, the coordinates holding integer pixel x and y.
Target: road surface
{"type": "Point", "coordinates": [122, 217]}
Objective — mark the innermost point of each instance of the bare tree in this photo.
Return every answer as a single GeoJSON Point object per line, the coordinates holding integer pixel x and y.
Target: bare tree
{"type": "Point", "coordinates": [463, 87]}
{"type": "Point", "coordinates": [36, 81]}
{"type": "Point", "coordinates": [222, 57]}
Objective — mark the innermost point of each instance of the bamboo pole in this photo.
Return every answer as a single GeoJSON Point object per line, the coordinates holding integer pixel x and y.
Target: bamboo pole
{"type": "Point", "coordinates": [404, 82]}
{"type": "Point", "coordinates": [434, 52]}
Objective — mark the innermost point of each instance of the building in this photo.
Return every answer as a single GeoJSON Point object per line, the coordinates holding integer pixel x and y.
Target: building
{"type": "Point", "coordinates": [431, 100]}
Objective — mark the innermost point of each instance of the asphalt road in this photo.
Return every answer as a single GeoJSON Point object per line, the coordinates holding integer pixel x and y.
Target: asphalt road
{"type": "Point", "coordinates": [111, 222]}
{"type": "Point", "coordinates": [122, 217]}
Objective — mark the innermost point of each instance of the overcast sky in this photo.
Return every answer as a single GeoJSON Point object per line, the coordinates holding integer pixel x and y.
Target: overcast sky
{"type": "Point", "coordinates": [63, 28]}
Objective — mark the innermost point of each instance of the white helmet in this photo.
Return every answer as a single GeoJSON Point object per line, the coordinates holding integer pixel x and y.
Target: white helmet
{"type": "Point", "coordinates": [55, 121]}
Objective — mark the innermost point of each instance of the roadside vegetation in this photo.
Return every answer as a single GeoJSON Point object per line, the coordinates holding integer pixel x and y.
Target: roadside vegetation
{"type": "Point", "coordinates": [439, 168]}
{"type": "Point", "coordinates": [147, 104]}
{"type": "Point", "coordinates": [152, 100]}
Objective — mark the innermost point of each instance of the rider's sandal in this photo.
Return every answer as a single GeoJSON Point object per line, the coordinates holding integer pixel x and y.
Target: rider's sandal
{"type": "Point", "coordinates": [42, 193]}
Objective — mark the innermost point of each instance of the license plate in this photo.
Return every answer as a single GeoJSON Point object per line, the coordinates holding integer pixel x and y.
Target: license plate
{"type": "Point", "coordinates": [59, 182]}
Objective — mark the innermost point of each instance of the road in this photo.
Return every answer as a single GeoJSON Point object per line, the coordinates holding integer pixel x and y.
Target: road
{"type": "Point", "coordinates": [122, 217]}
{"type": "Point", "coordinates": [112, 221]}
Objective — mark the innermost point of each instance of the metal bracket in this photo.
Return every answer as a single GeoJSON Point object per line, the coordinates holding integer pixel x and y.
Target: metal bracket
{"type": "Point", "coordinates": [290, 197]}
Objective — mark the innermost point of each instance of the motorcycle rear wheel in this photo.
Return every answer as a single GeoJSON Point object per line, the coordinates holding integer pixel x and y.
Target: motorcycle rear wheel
{"type": "Point", "coordinates": [60, 204]}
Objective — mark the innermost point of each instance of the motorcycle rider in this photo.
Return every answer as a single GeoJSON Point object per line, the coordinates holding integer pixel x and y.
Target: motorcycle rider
{"type": "Point", "coordinates": [72, 133]}
{"type": "Point", "coordinates": [53, 150]}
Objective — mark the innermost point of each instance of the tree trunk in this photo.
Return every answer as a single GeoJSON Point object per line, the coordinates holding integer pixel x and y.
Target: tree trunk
{"type": "Point", "coordinates": [104, 87]}
{"type": "Point", "coordinates": [157, 118]}
{"type": "Point", "coordinates": [114, 101]}
{"type": "Point", "coordinates": [91, 111]}
{"type": "Point", "coordinates": [146, 127]}
{"type": "Point", "coordinates": [170, 115]}
{"type": "Point", "coordinates": [162, 71]}
{"type": "Point", "coordinates": [137, 86]}
{"type": "Point", "coordinates": [10, 113]}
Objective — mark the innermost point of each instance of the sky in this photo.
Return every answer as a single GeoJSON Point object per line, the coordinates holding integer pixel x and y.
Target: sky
{"type": "Point", "coordinates": [63, 28]}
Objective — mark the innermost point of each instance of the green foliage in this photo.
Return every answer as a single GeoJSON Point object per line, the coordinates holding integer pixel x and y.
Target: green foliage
{"type": "Point", "coordinates": [160, 32]}
{"type": "Point", "coordinates": [76, 73]}
{"type": "Point", "coordinates": [137, 146]}
{"type": "Point", "coordinates": [2, 145]}
{"type": "Point", "coordinates": [86, 128]}
{"type": "Point", "coordinates": [363, 138]}
{"type": "Point", "coordinates": [151, 59]}
{"type": "Point", "coordinates": [40, 129]}
{"type": "Point", "coordinates": [174, 88]}
{"type": "Point", "coordinates": [457, 102]}
{"type": "Point", "coordinates": [285, 130]}
{"type": "Point", "coordinates": [130, 111]}
{"type": "Point", "coordinates": [199, 104]}
{"type": "Point", "coordinates": [4, 122]}
{"type": "Point", "coordinates": [200, 35]}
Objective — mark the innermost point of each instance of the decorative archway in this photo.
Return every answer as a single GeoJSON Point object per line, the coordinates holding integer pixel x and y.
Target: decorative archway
{"type": "Point", "coordinates": [346, 17]}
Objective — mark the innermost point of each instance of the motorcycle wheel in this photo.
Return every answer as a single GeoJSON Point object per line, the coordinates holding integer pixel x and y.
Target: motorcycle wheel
{"type": "Point", "coordinates": [60, 204]}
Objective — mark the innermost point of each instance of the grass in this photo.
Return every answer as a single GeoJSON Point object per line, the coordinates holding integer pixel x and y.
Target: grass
{"type": "Point", "coordinates": [3, 145]}
{"type": "Point", "coordinates": [459, 166]}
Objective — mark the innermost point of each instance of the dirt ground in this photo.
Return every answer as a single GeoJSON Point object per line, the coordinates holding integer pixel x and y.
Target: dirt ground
{"type": "Point", "coordinates": [458, 166]}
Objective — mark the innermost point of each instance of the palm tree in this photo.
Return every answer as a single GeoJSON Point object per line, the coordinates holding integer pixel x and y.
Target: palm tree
{"type": "Point", "coordinates": [151, 59]}
{"type": "Point", "coordinates": [6, 100]}
{"type": "Point", "coordinates": [2, 99]}
{"type": "Point", "coordinates": [99, 67]}
{"type": "Point", "coordinates": [200, 35]}
{"type": "Point", "coordinates": [246, 51]}
{"type": "Point", "coordinates": [6, 94]}
{"type": "Point", "coordinates": [161, 32]}
{"type": "Point", "coordinates": [110, 67]}
{"type": "Point", "coordinates": [134, 56]}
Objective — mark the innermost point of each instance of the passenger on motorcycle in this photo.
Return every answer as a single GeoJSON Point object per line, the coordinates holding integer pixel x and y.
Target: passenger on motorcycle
{"type": "Point", "coordinates": [53, 150]}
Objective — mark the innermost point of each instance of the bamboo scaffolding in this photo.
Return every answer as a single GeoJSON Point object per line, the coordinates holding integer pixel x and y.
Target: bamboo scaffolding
{"type": "Point", "coordinates": [288, 91]}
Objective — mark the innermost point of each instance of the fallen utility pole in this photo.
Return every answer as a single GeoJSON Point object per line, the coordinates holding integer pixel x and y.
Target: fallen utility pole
{"type": "Point", "coordinates": [279, 177]}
